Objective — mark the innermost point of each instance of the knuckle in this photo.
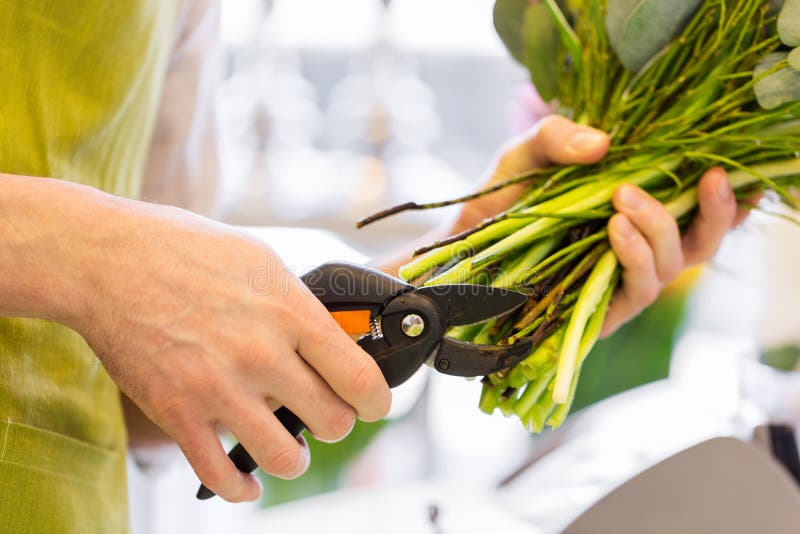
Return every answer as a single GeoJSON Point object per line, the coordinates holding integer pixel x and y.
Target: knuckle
{"type": "Point", "coordinates": [691, 253]}
{"type": "Point", "coordinates": [370, 388]}
{"type": "Point", "coordinates": [640, 257]}
{"type": "Point", "coordinates": [550, 125]}
{"type": "Point", "coordinates": [649, 293]}
{"type": "Point", "coordinates": [704, 251]}
{"type": "Point", "coordinates": [340, 423]}
{"type": "Point", "coordinates": [672, 270]}
{"type": "Point", "coordinates": [364, 381]}
{"type": "Point", "coordinates": [670, 265]}
{"type": "Point", "coordinates": [172, 409]}
{"type": "Point", "coordinates": [257, 358]}
{"type": "Point", "coordinates": [285, 463]}
{"type": "Point", "coordinates": [213, 477]}
{"type": "Point", "coordinates": [292, 320]}
{"type": "Point", "coordinates": [662, 223]}
{"type": "Point", "coordinates": [206, 384]}
{"type": "Point", "coordinates": [215, 480]}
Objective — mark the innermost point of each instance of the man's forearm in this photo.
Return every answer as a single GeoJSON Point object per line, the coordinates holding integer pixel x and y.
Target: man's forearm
{"type": "Point", "coordinates": [43, 226]}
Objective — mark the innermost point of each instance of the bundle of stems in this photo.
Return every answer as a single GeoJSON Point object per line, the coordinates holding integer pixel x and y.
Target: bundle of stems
{"type": "Point", "coordinates": [690, 107]}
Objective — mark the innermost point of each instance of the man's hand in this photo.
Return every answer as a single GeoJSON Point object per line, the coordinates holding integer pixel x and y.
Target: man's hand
{"type": "Point", "coordinates": [643, 234]}
{"type": "Point", "coordinates": [197, 324]}
{"type": "Point", "coordinates": [200, 325]}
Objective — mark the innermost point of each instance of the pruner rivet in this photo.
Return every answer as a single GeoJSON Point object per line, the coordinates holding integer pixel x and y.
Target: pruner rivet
{"type": "Point", "coordinates": [413, 325]}
{"type": "Point", "coordinates": [443, 364]}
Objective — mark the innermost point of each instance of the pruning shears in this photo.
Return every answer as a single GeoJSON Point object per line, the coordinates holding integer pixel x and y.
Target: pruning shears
{"type": "Point", "coordinates": [407, 327]}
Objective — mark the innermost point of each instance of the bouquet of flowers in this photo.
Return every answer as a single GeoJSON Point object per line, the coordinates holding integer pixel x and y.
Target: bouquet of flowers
{"type": "Point", "coordinates": [679, 85]}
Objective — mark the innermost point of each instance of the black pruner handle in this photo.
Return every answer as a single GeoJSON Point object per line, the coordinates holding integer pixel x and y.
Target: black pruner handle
{"type": "Point", "coordinates": [242, 459]}
{"type": "Point", "coordinates": [345, 287]}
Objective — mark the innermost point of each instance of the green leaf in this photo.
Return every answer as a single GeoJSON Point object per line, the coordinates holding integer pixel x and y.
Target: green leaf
{"type": "Point", "coordinates": [616, 14]}
{"type": "Point", "coordinates": [541, 39]}
{"type": "Point", "coordinates": [789, 23]}
{"type": "Point", "coordinates": [508, 18]}
{"type": "Point", "coordinates": [568, 37]}
{"type": "Point", "coordinates": [794, 59]}
{"type": "Point", "coordinates": [616, 363]}
{"type": "Point", "coordinates": [779, 87]}
{"type": "Point", "coordinates": [647, 28]}
{"type": "Point", "coordinates": [785, 358]}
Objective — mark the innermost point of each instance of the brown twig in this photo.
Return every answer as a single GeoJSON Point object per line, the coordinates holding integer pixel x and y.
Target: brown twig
{"type": "Point", "coordinates": [582, 268]}
{"type": "Point", "coordinates": [412, 206]}
{"type": "Point", "coordinates": [461, 235]}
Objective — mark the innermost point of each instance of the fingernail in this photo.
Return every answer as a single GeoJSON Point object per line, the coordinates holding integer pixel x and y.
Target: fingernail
{"type": "Point", "coordinates": [631, 198]}
{"type": "Point", "coordinates": [623, 227]}
{"type": "Point", "coordinates": [259, 491]}
{"type": "Point", "coordinates": [586, 141]}
{"type": "Point", "coordinates": [724, 189]}
{"type": "Point", "coordinates": [306, 462]}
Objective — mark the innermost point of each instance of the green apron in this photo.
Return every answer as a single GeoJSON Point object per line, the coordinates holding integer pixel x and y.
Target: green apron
{"type": "Point", "coordinates": [80, 83]}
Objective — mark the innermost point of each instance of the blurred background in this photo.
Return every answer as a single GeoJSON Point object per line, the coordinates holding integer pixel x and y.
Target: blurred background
{"type": "Point", "coordinates": [334, 110]}
{"type": "Point", "coordinates": [329, 111]}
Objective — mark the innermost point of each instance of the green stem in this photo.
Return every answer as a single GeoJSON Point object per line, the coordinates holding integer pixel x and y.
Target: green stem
{"type": "Point", "coordinates": [490, 395]}
{"type": "Point", "coordinates": [739, 179]}
{"type": "Point", "coordinates": [514, 277]}
{"type": "Point", "coordinates": [532, 393]}
{"type": "Point", "coordinates": [588, 197]}
{"type": "Point", "coordinates": [590, 337]}
{"type": "Point", "coordinates": [591, 295]}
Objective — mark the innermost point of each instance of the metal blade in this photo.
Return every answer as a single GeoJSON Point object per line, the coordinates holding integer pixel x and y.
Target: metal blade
{"type": "Point", "coordinates": [459, 358]}
{"type": "Point", "coordinates": [464, 304]}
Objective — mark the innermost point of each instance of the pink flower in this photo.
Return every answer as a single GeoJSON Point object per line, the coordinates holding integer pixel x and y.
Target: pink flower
{"type": "Point", "coordinates": [527, 109]}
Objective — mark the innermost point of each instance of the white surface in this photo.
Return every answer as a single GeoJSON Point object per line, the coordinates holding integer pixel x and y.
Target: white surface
{"type": "Point", "coordinates": [400, 510]}
{"type": "Point", "coordinates": [618, 438]}
{"type": "Point", "coordinates": [302, 249]}
{"type": "Point", "coordinates": [466, 444]}
{"type": "Point", "coordinates": [781, 322]}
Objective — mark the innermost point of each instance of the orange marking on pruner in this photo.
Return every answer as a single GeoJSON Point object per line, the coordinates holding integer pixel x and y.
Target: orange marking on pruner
{"type": "Point", "coordinates": [353, 322]}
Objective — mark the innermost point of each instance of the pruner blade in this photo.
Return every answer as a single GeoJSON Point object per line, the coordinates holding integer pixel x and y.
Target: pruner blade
{"type": "Point", "coordinates": [464, 304]}
{"type": "Point", "coordinates": [459, 358]}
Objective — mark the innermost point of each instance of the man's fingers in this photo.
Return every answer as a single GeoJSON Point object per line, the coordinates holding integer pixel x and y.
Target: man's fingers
{"type": "Point", "coordinates": [327, 416]}
{"type": "Point", "coordinates": [715, 216]}
{"type": "Point", "coordinates": [743, 212]}
{"type": "Point", "coordinates": [567, 143]}
{"type": "Point", "coordinates": [657, 226]}
{"type": "Point", "coordinates": [351, 372]}
{"type": "Point", "coordinates": [640, 283]}
{"type": "Point", "coordinates": [202, 448]}
{"type": "Point", "coordinates": [554, 139]}
{"type": "Point", "coordinates": [261, 434]}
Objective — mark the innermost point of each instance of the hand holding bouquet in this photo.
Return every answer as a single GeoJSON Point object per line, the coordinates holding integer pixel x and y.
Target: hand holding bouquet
{"type": "Point", "coordinates": [680, 85]}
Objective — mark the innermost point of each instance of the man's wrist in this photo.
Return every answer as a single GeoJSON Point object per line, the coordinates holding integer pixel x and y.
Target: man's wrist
{"type": "Point", "coordinates": [45, 225]}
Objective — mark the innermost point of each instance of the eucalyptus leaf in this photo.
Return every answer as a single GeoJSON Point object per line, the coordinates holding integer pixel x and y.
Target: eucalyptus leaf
{"type": "Point", "coordinates": [616, 14]}
{"type": "Point", "coordinates": [568, 37]}
{"type": "Point", "coordinates": [541, 38]}
{"type": "Point", "coordinates": [649, 26]}
{"type": "Point", "coordinates": [789, 23]}
{"type": "Point", "coordinates": [779, 87]}
{"type": "Point", "coordinates": [508, 17]}
{"type": "Point", "coordinates": [774, 7]}
{"type": "Point", "coordinates": [794, 59]}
